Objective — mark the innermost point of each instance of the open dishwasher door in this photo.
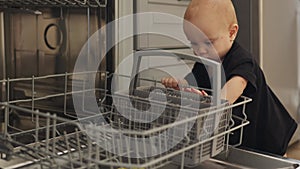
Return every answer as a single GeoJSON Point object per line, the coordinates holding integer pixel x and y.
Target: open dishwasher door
{"type": "Point", "coordinates": [251, 159]}
{"type": "Point", "coordinates": [236, 158]}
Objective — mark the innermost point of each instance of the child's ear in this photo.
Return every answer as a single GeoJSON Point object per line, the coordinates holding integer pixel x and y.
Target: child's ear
{"type": "Point", "coordinates": [233, 31]}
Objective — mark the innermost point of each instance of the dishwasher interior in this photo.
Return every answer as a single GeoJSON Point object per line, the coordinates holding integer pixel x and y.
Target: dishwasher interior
{"type": "Point", "coordinates": [60, 138]}
{"type": "Point", "coordinates": [43, 126]}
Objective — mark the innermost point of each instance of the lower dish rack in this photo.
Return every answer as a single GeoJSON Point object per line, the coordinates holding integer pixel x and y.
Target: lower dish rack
{"type": "Point", "coordinates": [148, 128]}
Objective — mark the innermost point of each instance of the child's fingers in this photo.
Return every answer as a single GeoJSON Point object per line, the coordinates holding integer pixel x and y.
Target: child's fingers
{"type": "Point", "coordinates": [193, 90]}
{"type": "Point", "coordinates": [187, 89]}
{"type": "Point", "coordinates": [170, 82]}
{"type": "Point", "coordinates": [174, 83]}
{"type": "Point", "coordinates": [182, 83]}
{"type": "Point", "coordinates": [204, 93]}
{"type": "Point", "coordinates": [196, 91]}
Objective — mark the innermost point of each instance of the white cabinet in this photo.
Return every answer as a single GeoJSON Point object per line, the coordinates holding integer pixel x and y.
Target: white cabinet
{"type": "Point", "coordinates": [173, 7]}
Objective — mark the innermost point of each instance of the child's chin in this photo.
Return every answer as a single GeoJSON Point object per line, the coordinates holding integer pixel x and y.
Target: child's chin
{"type": "Point", "coordinates": [212, 58]}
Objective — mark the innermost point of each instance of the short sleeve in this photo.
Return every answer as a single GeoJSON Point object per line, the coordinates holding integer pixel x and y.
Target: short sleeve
{"type": "Point", "coordinates": [246, 69]}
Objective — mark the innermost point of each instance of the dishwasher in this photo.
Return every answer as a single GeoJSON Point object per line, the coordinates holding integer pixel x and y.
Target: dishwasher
{"type": "Point", "coordinates": [147, 126]}
{"type": "Point", "coordinates": [118, 135]}
{"type": "Point", "coordinates": [48, 110]}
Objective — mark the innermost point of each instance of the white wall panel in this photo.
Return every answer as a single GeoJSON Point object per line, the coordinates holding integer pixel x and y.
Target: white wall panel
{"type": "Point", "coordinates": [279, 51]}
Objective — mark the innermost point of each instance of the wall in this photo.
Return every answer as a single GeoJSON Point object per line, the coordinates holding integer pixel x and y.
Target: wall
{"type": "Point", "coordinates": [279, 58]}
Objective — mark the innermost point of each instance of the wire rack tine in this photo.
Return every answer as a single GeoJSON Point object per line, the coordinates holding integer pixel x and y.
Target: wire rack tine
{"type": "Point", "coordinates": [37, 126]}
{"type": "Point", "coordinates": [47, 132]}
{"type": "Point", "coordinates": [90, 4]}
{"type": "Point", "coordinates": [41, 2]}
{"type": "Point", "coordinates": [70, 3]}
{"type": "Point", "coordinates": [60, 2]}
{"type": "Point", "coordinates": [54, 134]}
{"type": "Point", "coordinates": [84, 2]}
{"type": "Point", "coordinates": [68, 149]}
{"type": "Point", "coordinates": [50, 2]}
{"type": "Point", "coordinates": [89, 143]}
{"type": "Point", "coordinates": [79, 146]}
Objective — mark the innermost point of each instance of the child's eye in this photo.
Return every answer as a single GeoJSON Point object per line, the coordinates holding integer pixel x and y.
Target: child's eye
{"type": "Point", "coordinates": [208, 43]}
{"type": "Point", "coordinates": [193, 44]}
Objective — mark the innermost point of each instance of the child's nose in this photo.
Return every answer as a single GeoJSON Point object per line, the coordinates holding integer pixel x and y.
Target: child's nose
{"type": "Point", "coordinates": [200, 51]}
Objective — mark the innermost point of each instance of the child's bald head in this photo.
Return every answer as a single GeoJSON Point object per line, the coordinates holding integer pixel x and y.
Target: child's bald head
{"type": "Point", "coordinates": [218, 11]}
{"type": "Point", "coordinates": [211, 26]}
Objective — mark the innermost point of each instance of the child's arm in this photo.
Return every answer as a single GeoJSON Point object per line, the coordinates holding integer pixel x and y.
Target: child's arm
{"type": "Point", "coordinates": [233, 88]}
{"type": "Point", "coordinates": [231, 91]}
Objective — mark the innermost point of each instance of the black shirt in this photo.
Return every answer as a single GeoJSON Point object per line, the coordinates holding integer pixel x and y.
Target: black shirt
{"type": "Point", "coordinates": [271, 127]}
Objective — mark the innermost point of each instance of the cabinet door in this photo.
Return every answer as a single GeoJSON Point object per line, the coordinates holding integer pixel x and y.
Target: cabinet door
{"type": "Point", "coordinates": [248, 17]}
{"type": "Point", "coordinates": [173, 7]}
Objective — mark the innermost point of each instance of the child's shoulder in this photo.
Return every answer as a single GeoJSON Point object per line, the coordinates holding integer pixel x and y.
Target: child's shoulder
{"type": "Point", "coordinates": [238, 55]}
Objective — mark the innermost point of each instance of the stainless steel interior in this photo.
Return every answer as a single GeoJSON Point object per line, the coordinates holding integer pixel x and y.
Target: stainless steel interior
{"type": "Point", "coordinates": [47, 41]}
{"type": "Point", "coordinates": [41, 38]}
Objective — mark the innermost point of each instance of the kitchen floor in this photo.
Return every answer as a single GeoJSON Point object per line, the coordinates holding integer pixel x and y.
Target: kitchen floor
{"type": "Point", "coordinates": [294, 151]}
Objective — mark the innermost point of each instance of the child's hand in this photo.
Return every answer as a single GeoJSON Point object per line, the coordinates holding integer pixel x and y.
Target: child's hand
{"type": "Point", "coordinates": [181, 84]}
{"type": "Point", "coordinates": [193, 90]}
{"type": "Point", "coordinates": [173, 83]}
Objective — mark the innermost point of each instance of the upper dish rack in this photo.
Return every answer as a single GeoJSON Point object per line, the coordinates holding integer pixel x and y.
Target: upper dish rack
{"type": "Point", "coordinates": [53, 3]}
